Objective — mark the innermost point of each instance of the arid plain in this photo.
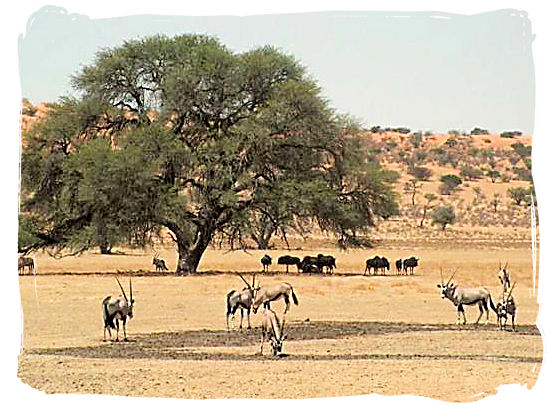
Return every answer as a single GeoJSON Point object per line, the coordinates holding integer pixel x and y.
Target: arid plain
{"type": "Point", "coordinates": [350, 334]}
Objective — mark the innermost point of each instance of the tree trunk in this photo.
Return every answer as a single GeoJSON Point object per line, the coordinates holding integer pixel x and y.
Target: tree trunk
{"type": "Point", "coordinates": [189, 257]}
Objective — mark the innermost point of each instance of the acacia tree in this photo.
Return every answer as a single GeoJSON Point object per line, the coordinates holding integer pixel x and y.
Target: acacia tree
{"type": "Point", "coordinates": [184, 134]}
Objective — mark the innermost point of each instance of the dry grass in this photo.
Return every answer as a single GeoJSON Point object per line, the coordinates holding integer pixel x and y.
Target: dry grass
{"type": "Point", "coordinates": [353, 334]}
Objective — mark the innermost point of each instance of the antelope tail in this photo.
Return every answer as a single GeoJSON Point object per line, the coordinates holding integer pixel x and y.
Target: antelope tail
{"type": "Point", "coordinates": [294, 297]}
{"type": "Point", "coordinates": [108, 319]}
{"type": "Point", "coordinates": [228, 304]}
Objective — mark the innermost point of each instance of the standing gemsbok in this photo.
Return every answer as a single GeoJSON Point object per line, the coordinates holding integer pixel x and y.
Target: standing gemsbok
{"type": "Point", "coordinates": [506, 307]}
{"type": "Point", "coordinates": [272, 330]}
{"type": "Point", "coordinates": [115, 309]}
{"type": "Point", "coordinates": [461, 296]}
{"type": "Point", "coordinates": [240, 300]}
{"type": "Point", "coordinates": [263, 296]}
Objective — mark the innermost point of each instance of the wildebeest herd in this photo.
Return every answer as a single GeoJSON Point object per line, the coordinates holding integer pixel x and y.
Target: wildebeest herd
{"type": "Point", "coordinates": [253, 296]}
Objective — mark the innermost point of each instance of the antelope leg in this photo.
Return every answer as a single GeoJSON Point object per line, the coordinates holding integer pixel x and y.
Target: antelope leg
{"type": "Point", "coordinates": [242, 315]}
{"type": "Point", "coordinates": [248, 316]}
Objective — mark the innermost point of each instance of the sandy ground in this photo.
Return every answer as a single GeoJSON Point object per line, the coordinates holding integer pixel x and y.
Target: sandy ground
{"type": "Point", "coordinates": [349, 335]}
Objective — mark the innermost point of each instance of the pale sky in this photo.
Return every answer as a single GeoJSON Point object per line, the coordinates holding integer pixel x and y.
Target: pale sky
{"type": "Point", "coordinates": [421, 70]}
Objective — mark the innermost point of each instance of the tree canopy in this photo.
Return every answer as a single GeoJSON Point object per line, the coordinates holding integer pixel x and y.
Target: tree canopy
{"type": "Point", "coordinates": [183, 134]}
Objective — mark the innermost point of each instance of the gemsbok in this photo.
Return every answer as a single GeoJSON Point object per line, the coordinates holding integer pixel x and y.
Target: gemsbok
{"type": "Point", "coordinates": [504, 276]}
{"type": "Point", "coordinates": [272, 330]}
{"type": "Point", "coordinates": [506, 307]}
{"type": "Point", "coordinates": [461, 296]}
{"type": "Point", "coordinates": [115, 309]}
{"type": "Point", "coordinates": [159, 263]}
{"type": "Point", "coordinates": [263, 296]}
{"type": "Point", "coordinates": [240, 300]}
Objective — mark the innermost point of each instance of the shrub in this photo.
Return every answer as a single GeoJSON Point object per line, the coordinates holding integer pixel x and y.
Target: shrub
{"type": "Point", "coordinates": [478, 131]}
{"type": "Point", "coordinates": [449, 184]}
{"type": "Point", "coordinates": [519, 195]}
{"type": "Point", "coordinates": [510, 134]}
{"type": "Point", "coordinates": [420, 172]}
{"type": "Point", "coordinates": [443, 215]}
{"type": "Point", "coordinates": [470, 173]}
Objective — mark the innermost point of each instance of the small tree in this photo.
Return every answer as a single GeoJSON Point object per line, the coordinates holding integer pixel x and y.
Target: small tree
{"type": "Point", "coordinates": [519, 195]}
{"type": "Point", "coordinates": [470, 173]}
{"type": "Point", "coordinates": [412, 187]}
{"type": "Point", "coordinates": [430, 197]}
{"type": "Point", "coordinates": [493, 175]}
{"type": "Point", "coordinates": [420, 173]}
{"type": "Point", "coordinates": [444, 215]}
{"type": "Point", "coordinates": [449, 184]}
{"type": "Point", "coordinates": [479, 196]}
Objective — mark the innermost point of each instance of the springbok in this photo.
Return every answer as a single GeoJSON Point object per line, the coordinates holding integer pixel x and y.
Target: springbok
{"type": "Point", "coordinates": [115, 309]}
{"type": "Point", "coordinates": [25, 262]}
{"type": "Point", "coordinates": [505, 308]}
{"type": "Point", "coordinates": [272, 330]}
{"type": "Point", "coordinates": [240, 300]}
{"type": "Point", "coordinates": [461, 296]}
{"type": "Point", "coordinates": [263, 296]}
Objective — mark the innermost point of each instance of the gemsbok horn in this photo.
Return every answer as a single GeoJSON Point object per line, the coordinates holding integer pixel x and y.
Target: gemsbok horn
{"type": "Point", "coordinates": [115, 309]}
{"type": "Point", "coordinates": [461, 296]}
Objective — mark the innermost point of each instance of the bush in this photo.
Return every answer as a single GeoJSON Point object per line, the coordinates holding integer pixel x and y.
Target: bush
{"type": "Point", "coordinates": [470, 173]}
{"type": "Point", "coordinates": [478, 131]}
{"type": "Point", "coordinates": [519, 195]}
{"type": "Point", "coordinates": [449, 184]}
{"type": "Point", "coordinates": [420, 173]}
{"type": "Point", "coordinates": [493, 175]}
{"type": "Point", "coordinates": [510, 134]}
{"type": "Point", "coordinates": [443, 215]}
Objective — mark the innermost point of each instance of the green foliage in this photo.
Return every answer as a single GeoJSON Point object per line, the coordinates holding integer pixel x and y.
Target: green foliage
{"type": "Point", "coordinates": [182, 133]}
{"type": "Point", "coordinates": [416, 139]}
{"type": "Point", "coordinates": [449, 183]}
{"type": "Point", "coordinates": [420, 173]}
{"type": "Point", "coordinates": [521, 150]}
{"type": "Point", "coordinates": [471, 173]}
{"type": "Point", "coordinates": [493, 175]}
{"type": "Point", "coordinates": [510, 134]}
{"type": "Point", "coordinates": [479, 131]}
{"type": "Point", "coordinates": [519, 195]}
{"type": "Point", "coordinates": [443, 215]}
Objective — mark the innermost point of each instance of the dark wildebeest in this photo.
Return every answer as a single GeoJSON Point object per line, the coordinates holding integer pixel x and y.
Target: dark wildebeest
{"type": "Point", "coordinates": [25, 262]}
{"type": "Point", "coordinates": [377, 264]}
{"type": "Point", "coordinates": [398, 266]}
{"type": "Point", "coordinates": [288, 260]}
{"type": "Point", "coordinates": [409, 264]}
{"type": "Point", "coordinates": [371, 263]}
{"type": "Point", "coordinates": [327, 261]}
{"type": "Point", "coordinates": [266, 261]}
{"type": "Point", "coordinates": [461, 296]}
{"type": "Point", "coordinates": [309, 265]}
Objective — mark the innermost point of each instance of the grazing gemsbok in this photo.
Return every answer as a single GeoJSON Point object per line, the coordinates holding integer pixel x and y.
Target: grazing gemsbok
{"type": "Point", "coordinates": [240, 300]}
{"type": "Point", "coordinates": [159, 263]}
{"type": "Point", "coordinates": [461, 296]}
{"type": "Point", "coordinates": [272, 330]}
{"type": "Point", "coordinates": [25, 262]}
{"type": "Point", "coordinates": [115, 309]}
{"type": "Point", "coordinates": [505, 308]}
{"type": "Point", "coordinates": [266, 261]}
{"type": "Point", "coordinates": [263, 296]}
{"type": "Point", "coordinates": [288, 260]}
